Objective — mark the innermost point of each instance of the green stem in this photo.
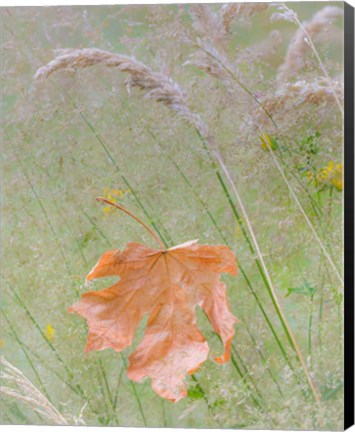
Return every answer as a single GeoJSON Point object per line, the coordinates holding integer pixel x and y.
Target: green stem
{"type": "Point", "coordinates": [127, 183]}
{"type": "Point", "coordinates": [119, 377]}
{"type": "Point", "coordinates": [24, 350]}
{"type": "Point", "coordinates": [233, 75]}
{"type": "Point", "coordinates": [48, 342]}
{"type": "Point", "coordinates": [47, 218]}
{"type": "Point", "coordinates": [246, 278]}
{"type": "Point", "coordinates": [119, 207]}
{"type": "Point", "coordinates": [136, 395]}
{"type": "Point", "coordinates": [259, 261]}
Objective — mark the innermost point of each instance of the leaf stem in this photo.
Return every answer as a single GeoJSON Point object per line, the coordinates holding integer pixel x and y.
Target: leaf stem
{"type": "Point", "coordinates": [119, 207]}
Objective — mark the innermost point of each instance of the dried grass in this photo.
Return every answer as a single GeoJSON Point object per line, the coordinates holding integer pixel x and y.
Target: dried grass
{"type": "Point", "coordinates": [211, 53]}
{"type": "Point", "coordinates": [231, 11]}
{"type": "Point", "coordinates": [208, 25]}
{"type": "Point", "coordinates": [156, 85]}
{"type": "Point", "coordinates": [301, 42]}
{"type": "Point", "coordinates": [24, 391]}
{"type": "Point", "coordinates": [318, 92]}
{"type": "Point", "coordinates": [262, 51]}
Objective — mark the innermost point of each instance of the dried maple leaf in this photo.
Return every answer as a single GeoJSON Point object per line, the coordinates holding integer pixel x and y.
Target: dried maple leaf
{"type": "Point", "coordinates": [166, 284]}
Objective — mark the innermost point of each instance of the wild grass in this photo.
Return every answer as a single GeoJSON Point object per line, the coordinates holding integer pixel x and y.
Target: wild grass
{"type": "Point", "coordinates": [193, 118]}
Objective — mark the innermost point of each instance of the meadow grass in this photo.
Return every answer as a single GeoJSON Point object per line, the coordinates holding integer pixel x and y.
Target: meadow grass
{"type": "Point", "coordinates": [229, 151]}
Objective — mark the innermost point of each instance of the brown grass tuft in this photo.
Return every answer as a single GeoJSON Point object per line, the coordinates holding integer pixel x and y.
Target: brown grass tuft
{"type": "Point", "coordinates": [21, 388]}
{"type": "Point", "coordinates": [156, 85]}
{"type": "Point", "coordinates": [300, 44]}
{"type": "Point", "coordinates": [320, 91]}
{"type": "Point", "coordinates": [229, 12]}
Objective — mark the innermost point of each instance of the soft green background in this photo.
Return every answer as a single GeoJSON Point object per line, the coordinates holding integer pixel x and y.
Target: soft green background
{"type": "Point", "coordinates": [68, 139]}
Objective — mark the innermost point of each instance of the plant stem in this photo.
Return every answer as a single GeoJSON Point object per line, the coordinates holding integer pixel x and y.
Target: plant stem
{"type": "Point", "coordinates": [24, 350]}
{"type": "Point", "coordinates": [237, 80]}
{"type": "Point", "coordinates": [253, 244]}
{"type": "Point", "coordinates": [136, 395]}
{"type": "Point", "coordinates": [50, 345]}
{"type": "Point", "coordinates": [240, 266]}
{"type": "Point", "coordinates": [46, 216]}
{"type": "Point", "coordinates": [299, 205]}
{"type": "Point", "coordinates": [119, 207]}
{"type": "Point", "coordinates": [321, 64]}
{"type": "Point", "coordinates": [124, 178]}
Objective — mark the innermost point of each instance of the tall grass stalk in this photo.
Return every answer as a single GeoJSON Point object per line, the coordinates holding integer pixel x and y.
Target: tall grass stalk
{"type": "Point", "coordinates": [25, 352]}
{"type": "Point", "coordinates": [48, 220]}
{"type": "Point", "coordinates": [26, 392]}
{"type": "Point", "coordinates": [45, 364]}
{"type": "Point", "coordinates": [304, 214]}
{"type": "Point", "coordinates": [254, 248]}
{"type": "Point", "coordinates": [239, 220]}
{"type": "Point", "coordinates": [229, 71]}
{"type": "Point", "coordinates": [241, 269]}
{"type": "Point", "coordinates": [309, 40]}
{"type": "Point", "coordinates": [235, 78]}
{"type": "Point", "coordinates": [46, 216]}
{"type": "Point", "coordinates": [124, 178]}
{"type": "Point", "coordinates": [291, 337]}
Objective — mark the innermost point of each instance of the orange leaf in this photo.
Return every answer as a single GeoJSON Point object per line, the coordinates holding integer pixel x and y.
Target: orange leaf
{"type": "Point", "coordinates": [167, 285]}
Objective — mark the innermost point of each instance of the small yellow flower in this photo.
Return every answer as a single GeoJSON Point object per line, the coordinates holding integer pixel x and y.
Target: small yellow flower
{"type": "Point", "coordinates": [113, 195]}
{"type": "Point", "coordinates": [337, 177]}
{"type": "Point", "coordinates": [331, 175]}
{"type": "Point", "coordinates": [49, 333]}
{"type": "Point", "coordinates": [268, 142]}
{"type": "Point", "coordinates": [2, 343]}
{"type": "Point", "coordinates": [118, 192]}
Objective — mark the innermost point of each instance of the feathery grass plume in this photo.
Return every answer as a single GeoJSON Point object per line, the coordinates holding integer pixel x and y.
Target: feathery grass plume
{"type": "Point", "coordinates": [262, 51]}
{"type": "Point", "coordinates": [211, 61]}
{"type": "Point", "coordinates": [22, 389]}
{"type": "Point", "coordinates": [317, 92]}
{"type": "Point", "coordinates": [301, 42]}
{"type": "Point", "coordinates": [324, 90]}
{"type": "Point", "coordinates": [229, 12]}
{"type": "Point", "coordinates": [211, 55]}
{"type": "Point", "coordinates": [163, 89]}
{"type": "Point", "coordinates": [208, 24]}
{"type": "Point", "coordinates": [157, 85]}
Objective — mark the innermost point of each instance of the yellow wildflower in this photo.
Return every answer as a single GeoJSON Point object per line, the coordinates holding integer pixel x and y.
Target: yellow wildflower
{"type": "Point", "coordinates": [2, 343]}
{"type": "Point", "coordinates": [49, 333]}
{"type": "Point", "coordinates": [268, 142]}
{"type": "Point", "coordinates": [337, 177]}
{"type": "Point", "coordinates": [331, 175]}
{"type": "Point", "coordinates": [113, 195]}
